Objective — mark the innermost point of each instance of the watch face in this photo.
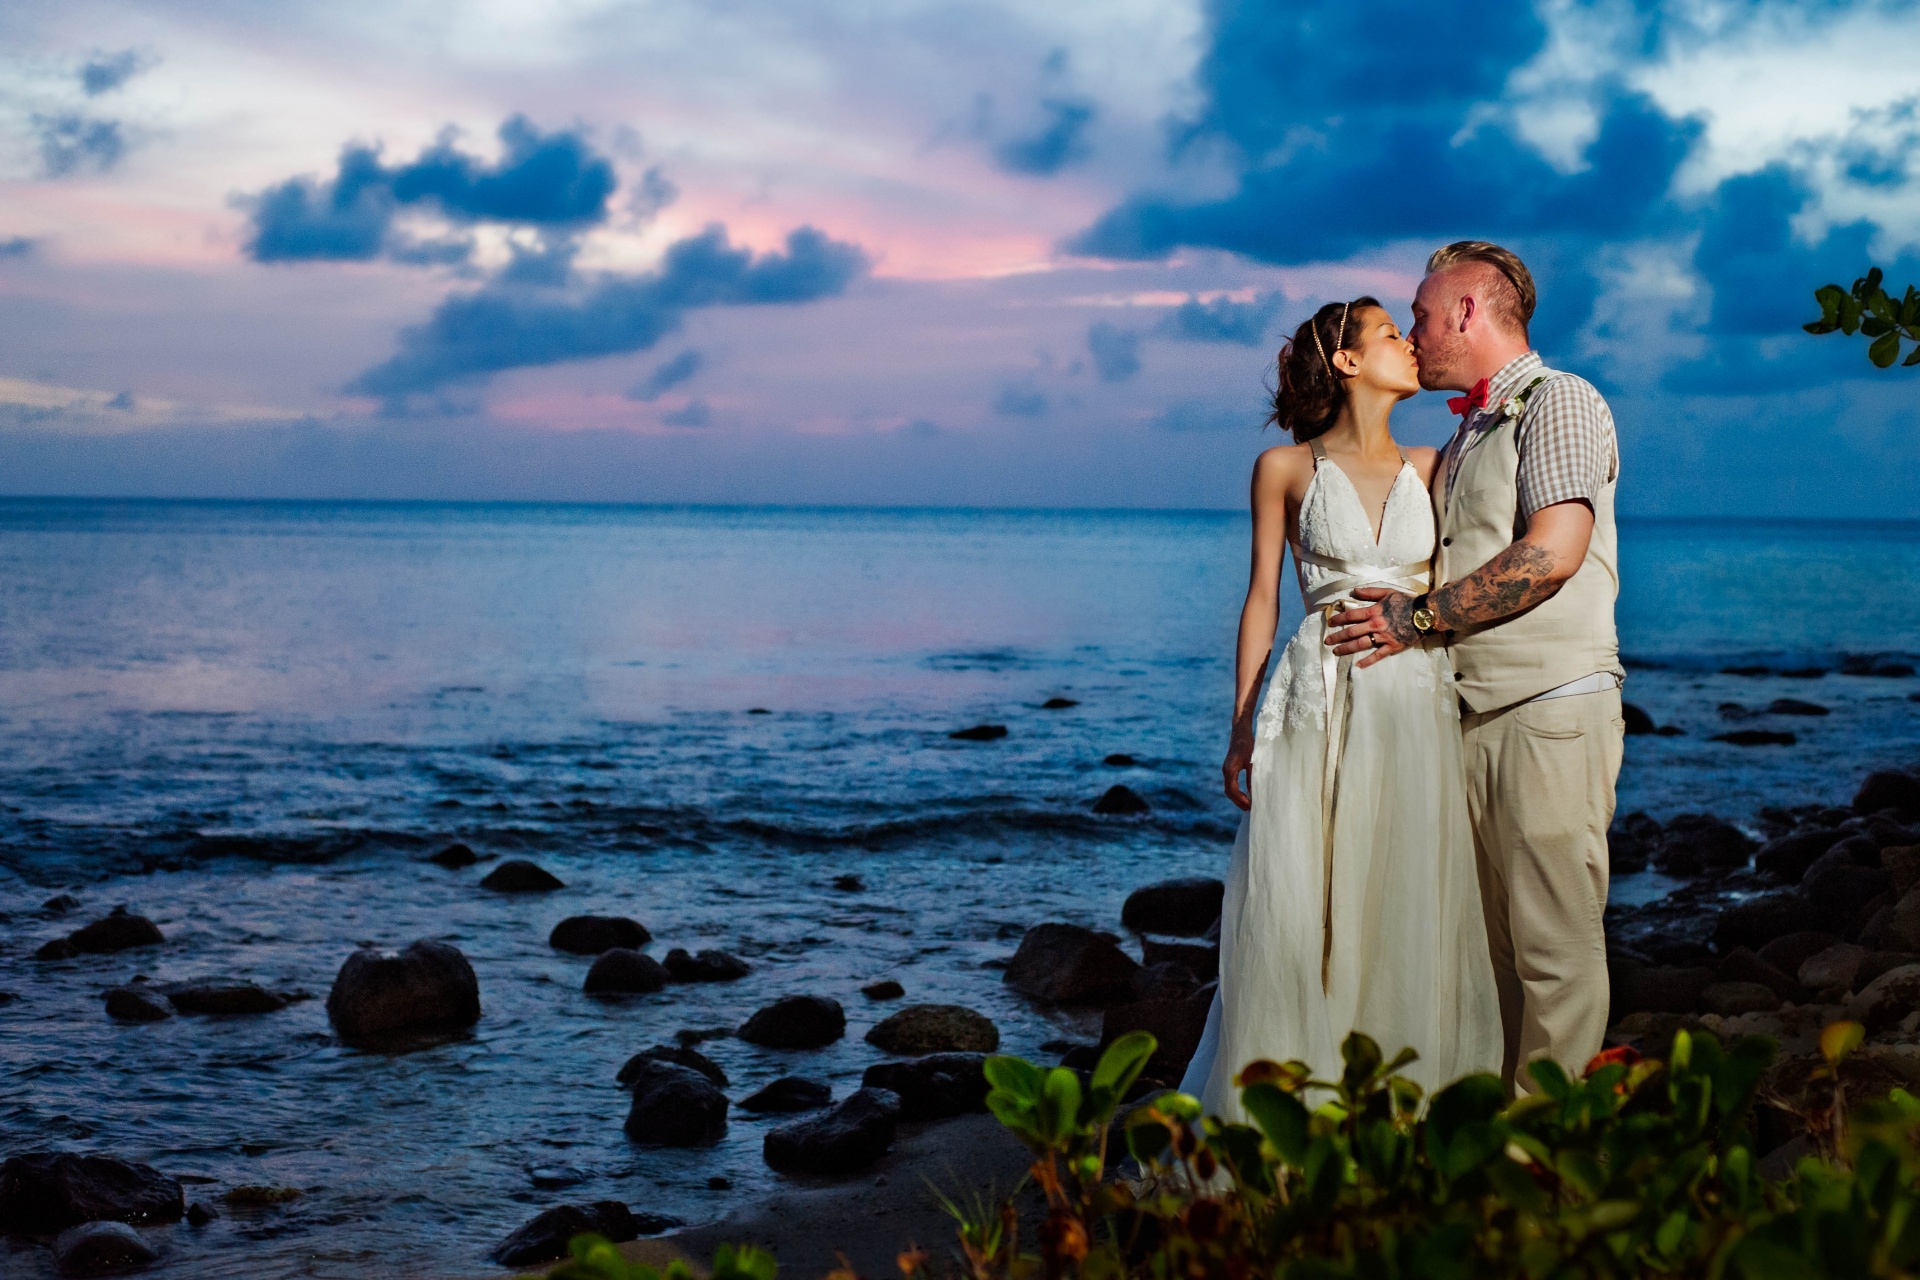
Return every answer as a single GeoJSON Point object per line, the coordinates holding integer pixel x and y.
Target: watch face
{"type": "Point", "coordinates": [1423, 619]}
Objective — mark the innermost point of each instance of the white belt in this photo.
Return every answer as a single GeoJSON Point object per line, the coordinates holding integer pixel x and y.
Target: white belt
{"type": "Point", "coordinates": [1598, 682]}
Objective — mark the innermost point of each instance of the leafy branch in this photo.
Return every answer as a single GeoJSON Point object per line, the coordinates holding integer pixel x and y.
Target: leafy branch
{"type": "Point", "coordinates": [1870, 311]}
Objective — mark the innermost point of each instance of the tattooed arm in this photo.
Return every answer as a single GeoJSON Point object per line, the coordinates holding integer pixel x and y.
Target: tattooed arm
{"type": "Point", "coordinates": [1517, 579]}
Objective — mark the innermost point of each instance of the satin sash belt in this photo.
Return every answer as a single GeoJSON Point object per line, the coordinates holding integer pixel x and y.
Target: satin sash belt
{"type": "Point", "coordinates": [1336, 673]}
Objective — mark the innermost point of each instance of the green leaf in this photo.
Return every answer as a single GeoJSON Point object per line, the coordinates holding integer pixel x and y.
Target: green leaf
{"type": "Point", "coordinates": [1014, 1075]}
{"type": "Point", "coordinates": [1868, 284]}
{"type": "Point", "coordinates": [1913, 358]}
{"type": "Point", "coordinates": [1363, 1057]}
{"type": "Point", "coordinates": [1849, 314]}
{"type": "Point", "coordinates": [743, 1262]}
{"type": "Point", "coordinates": [1060, 1106]}
{"type": "Point", "coordinates": [1122, 1063]}
{"type": "Point", "coordinates": [1885, 350]}
{"type": "Point", "coordinates": [1148, 1139]}
{"type": "Point", "coordinates": [1282, 1117]}
{"type": "Point", "coordinates": [1874, 326]}
{"type": "Point", "coordinates": [1551, 1078]}
{"type": "Point", "coordinates": [1758, 1259]}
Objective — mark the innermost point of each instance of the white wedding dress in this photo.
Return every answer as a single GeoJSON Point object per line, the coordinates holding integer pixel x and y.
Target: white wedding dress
{"type": "Point", "coordinates": [1379, 928]}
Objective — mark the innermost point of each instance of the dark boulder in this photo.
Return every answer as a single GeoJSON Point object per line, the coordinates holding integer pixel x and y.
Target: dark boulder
{"type": "Point", "coordinates": [225, 997]}
{"type": "Point", "coordinates": [1638, 721]}
{"type": "Point", "coordinates": [119, 931]}
{"type": "Point", "coordinates": [520, 876]}
{"type": "Point", "coordinates": [59, 904]}
{"type": "Point", "coordinates": [1760, 920]}
{"type": "Point", "coordinates": [1789, 951]}
{"type": "Point", "coordinates": [1879, 962]}
{"type": "Point", "coordinates": [1730, 999]}
{"type": "Point", "coordinates": [796, 1022]}
{"type": "Point", "coordinates": [980, 733]}
{"type": "Point", "coordinates": [591, 935]}
{"type": "Point", "coordinates": [1790, 855]}
{"type": "Point", "coordinates": [1184, 908]}
{"type": "Point", "coordinates": [1058, 704]}
{"type": "Point", "coordinates": [1175, 1024]}
{"type": "Point", "coordinates": [1201, 959]}
{"type": "Point", "coordinates": [1699, 842]}
{"type": "Point", "coordinates": [1888, 999]}
{"type": "Point", "coordinates": [101, 1249]}
{"type": "Point", "coordinates": [1839, 885]}
{"type": "Point", "coordinates": [1120, 800]}
{"type": "Point", "coordinates": [679, 1055]}
{"type": "Point", "coordinates": [624, 972]}
{"type": "Point", "coordinates": [1889, 789]}
{"type": "Point", "coordinates": [849, 883]}
{"type": "Point", "coordinates": [1120, 760]}
{"type": "Point", "coordinates": [1834, 969]}
{"type": "Point", "coordinates": [56, 949]}
{"type": "Point", "coordinates": [846, 1138]}
{"type": "Point", "coordinates": [705, 966]}
{"type": "Point", "coordinates": [789, 1093]}
{"type": "Point", "coordinates": [1902, 865]}
{"type": "Point", "coordinates": [674, 1106]}
{"type": "Point", "coordinates": [200, 1213]}
{"type": "Point", "coordinates": [1068, 964]}
{"type": "Point", "coordinates": [935, 1028]}
{"type": "Point", "coordinates": [48, 1191]}
{"type": "Point", "coordinates": [546, 1237]}
{"type": "Point", "coordinates": [1626, 853]}
{"type": "Point", "coordinates": [1756, 738]}
{"type": "Point", "coordinates": [933, 1087]}
{"type": "Point", "coordinates": [427, 987]}
{"type": "Point", "coordinates": [1742, 965]}
{"type": "Point", "coordinates": [1901, 931]}
{"type": "Point", "coordinates": [1665, 989]}
{"type": "Point", "coordinates": [1167, 980]}
{"type": "Point", "coordinates": [137, 1002]}
{"type": "Point", "coordinates": [1795, 707]}
{"type": "Point", "coordinates": [885, 989]}
{"type": "Point", "coordinates": [454, 857]}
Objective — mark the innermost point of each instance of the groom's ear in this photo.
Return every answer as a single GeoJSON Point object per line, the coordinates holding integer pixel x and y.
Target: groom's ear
{"type": "Point", "coordinates": [1469, 307]}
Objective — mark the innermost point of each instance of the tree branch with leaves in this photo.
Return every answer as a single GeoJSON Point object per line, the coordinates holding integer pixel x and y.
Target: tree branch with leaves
{"type": "Point", "coordinates": [1870, 311]}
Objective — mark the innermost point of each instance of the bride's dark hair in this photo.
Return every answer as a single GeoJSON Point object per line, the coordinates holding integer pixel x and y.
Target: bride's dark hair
{"type": "Point", "coordinates": [1309, 394]}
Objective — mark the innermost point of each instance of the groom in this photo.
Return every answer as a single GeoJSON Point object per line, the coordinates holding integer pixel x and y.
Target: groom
{"type": "Point", "coordinates": [1526, 572]}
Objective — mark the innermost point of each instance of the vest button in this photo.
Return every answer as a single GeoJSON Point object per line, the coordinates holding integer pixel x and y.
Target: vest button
{"type": "Point", "coordinates": [1446, 542]}
{"type": "Point", "coordinates": [1458, 676]}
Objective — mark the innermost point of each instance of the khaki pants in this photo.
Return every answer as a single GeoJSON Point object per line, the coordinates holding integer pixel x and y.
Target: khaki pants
{"type": "Point", "coordinates": [1540, 780]}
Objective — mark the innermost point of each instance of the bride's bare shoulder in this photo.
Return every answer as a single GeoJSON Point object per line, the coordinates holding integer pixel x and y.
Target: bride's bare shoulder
{"type": "Point", "coordinates": [1282, 466]}
{"type": "Point", "coordinates": [1424, 459]}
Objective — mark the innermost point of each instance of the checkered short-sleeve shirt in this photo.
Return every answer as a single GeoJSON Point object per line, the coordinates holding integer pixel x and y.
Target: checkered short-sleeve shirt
{"type": "Point", "coordinates": [1566, 442]}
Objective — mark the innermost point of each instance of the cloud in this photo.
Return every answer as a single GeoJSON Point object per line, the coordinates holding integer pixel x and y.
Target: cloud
{"type": "Point", "coordinates": [1020, 400]}
{"type": "Point", "coordinates": [665, 377]}
{"type": "Point", "coordinates": [1221, 320]}
{"type": "Point", "coordinates": [510, 325]}
{"type": "Point", "coordinates": [105, 72]}
{"type": "Point", "coordinates": [18, 247]}
{"type": "Point", "coordinates": [1057, 144]}
{"type": "Point", "coordinates": [694, 413]}
{"type": "Point", "coordinates": [554, 181]}
{"type": "Point", "coordinates": [1115, 351]}
{"type": "Point", "coordinates": [73, 143]}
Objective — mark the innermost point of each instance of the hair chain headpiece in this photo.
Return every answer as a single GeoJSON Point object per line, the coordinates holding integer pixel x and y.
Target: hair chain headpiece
{"type": "Point", "coordinates": [1338, 343]}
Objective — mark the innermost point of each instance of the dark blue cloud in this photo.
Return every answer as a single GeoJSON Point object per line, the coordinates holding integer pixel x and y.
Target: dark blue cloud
{"type": "Point", "coordinates": [1020, 400]}
{"type": "Point", "coordinates": [1221, 320]}
{"type": "Point", "coordinates": [105, 72]}
{"type": "Point", "coordinates": [1057, 144]}
{"type": "Point", "coordinates": [509, 325]}
{"type": "Point", "coordinates": [73, 143]}
{"type": "Point", "coordinates": [694, 413]}
{"type": "Point", "coordinates": [1115, 351]}
{"type": "Point", "coordinates": [668, 375]}
{"type": "Point", "coordinates": [18, 247]}
{"type": "Point", "coordinates": [553, 180]}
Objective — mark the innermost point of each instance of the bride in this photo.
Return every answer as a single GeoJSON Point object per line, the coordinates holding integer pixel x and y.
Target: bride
{"type": "Point", "coordinates": [1352, 901]}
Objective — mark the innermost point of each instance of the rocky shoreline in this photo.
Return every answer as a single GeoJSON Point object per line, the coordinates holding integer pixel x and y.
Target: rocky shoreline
{"type": "Point", "coordinates": [1809, 914]}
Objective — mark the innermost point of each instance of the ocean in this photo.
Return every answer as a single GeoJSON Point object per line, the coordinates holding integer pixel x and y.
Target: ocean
{"type": "Point", "coordinates": [252, 722]}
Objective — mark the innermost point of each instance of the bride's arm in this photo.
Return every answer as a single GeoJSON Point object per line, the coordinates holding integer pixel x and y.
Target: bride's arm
{"type": "Point", "coordinates": [1274, 474]}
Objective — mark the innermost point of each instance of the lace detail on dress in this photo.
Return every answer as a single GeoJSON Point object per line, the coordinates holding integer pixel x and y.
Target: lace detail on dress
{"type": "Point", "coordinates": [1296, 695]}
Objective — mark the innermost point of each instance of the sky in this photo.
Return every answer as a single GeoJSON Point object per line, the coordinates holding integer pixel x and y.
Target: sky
{"type": "Point", "coordinates": [942, 252]}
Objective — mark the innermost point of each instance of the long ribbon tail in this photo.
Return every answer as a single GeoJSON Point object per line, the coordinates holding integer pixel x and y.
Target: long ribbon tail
{"type": "Point", "coordinates": [1337, 671]}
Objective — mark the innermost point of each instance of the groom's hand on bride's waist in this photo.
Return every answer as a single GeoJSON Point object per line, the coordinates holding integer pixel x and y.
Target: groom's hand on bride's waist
{"type": "Point", "coordinates": [1377, 629]}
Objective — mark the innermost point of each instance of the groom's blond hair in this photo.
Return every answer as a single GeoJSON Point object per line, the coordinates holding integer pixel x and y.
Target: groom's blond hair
{"type": "Point", "coordinates": [1513, 296]}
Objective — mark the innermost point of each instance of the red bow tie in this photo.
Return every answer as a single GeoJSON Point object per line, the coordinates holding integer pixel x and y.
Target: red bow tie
{"type": "Point", "coordinates": [1474, 399]}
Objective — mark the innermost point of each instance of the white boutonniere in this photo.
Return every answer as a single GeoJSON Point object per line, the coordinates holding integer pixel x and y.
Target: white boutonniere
{"type": "Point", "coordinates": [1510, 410]}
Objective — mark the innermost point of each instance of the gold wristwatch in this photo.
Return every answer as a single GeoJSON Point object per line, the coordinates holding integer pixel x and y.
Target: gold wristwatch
{"type": "Point", "coordinates": [1422, 616]}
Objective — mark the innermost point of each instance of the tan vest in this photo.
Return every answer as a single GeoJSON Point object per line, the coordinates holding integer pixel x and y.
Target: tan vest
{"type": "Point", "coordinates": [1564, 637]}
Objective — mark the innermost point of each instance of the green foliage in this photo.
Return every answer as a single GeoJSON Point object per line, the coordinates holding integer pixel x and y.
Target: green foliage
{"type": "Point", "coordinates": [596, 1258]}
{"type": "Point", "coordinates": [1870, 311]}
{"type": "Point", "coordinates": [1635, 1168]}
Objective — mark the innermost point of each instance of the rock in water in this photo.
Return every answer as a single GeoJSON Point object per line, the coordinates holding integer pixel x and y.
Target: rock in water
{"type": "Point", "coordinates": [455, 856]}
{"type": "Point", "coordinates": [137, 1003]}
{"type": "Point", "coordinates": [1795, 707]}
{"type": "Point", "coordinates": [980, 733]}
{"type": "Point", "coordinates": [935, 1086]}
{"type": "Point", "coordinates": [846, 1139]}
{"type": "Point", "coordinates": [885, 989]}
{"type": "Point", "coordinates": [591, 935]}
{"type": "Point", "coordinates": [1119, 760]}
{"type": "Point", "coordinates": [429, 986]}
{"type": "Point", "coordinates": [546, 1237]}
{"type": "Point", "coordinates": [935, 1028]}
{"type": "Point", "coordinates": [101, 1249]}
{"type": "Point", "coordinates": [1120, 799]}
{"type": "Point", "coordinates": [1889, 789]}
{"type": "Point", "coordinates": [1058, 704]}
{"type": "Point", "coordinates": [1790, 855]}
{"type": "Point", "coordinates": [1758, 921]}
{"type": "Point", "coordinates": [47, 1191]}
{"type": "Point", "coordinates": [624, 972]}
{"type": "Point", "coordinates": [790, 1093]}
{"type": "Point", "coordinates": [1638, 721]}
{"type": "Point", "coordinates": [1068, 964]}
{"type": "Point", "coordinates": [705, 966]}
{"type": "Point", "coordinates": [679, 1055]}
{"type": "Point", "coordinates": [117, 932]}
{"type": "Point", "coordinates": [1184, 908]}
{"type": "Point", "coordinates": [1201, 959]}
{"type": "Point", "coordinates": [1697, 842]}
{"type": "Point", "coordinates": [1756, 738]}
{"type": "Point", "coordinates": [676, 1107]}
{"type": "Point", "coordinates": [796, 1022]}
{"type": "Point", "coordinates": [520, 876]}
{"type": "Point", "coordinates": [1176, 1024]}
{"type": "Point", "coordinates": [225, 997]}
